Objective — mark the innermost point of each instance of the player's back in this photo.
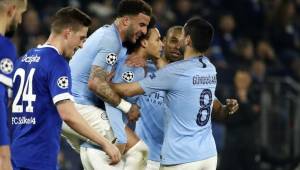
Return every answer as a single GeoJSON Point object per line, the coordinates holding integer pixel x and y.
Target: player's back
{"type": "Point", "coordinates": [190, 104]}
{"type": "Point", "coordinates": [40, 80]}
{"type": "Point", "coordinates": [101, 49]}
{"type": "Point", "coordinates": [190, 85]}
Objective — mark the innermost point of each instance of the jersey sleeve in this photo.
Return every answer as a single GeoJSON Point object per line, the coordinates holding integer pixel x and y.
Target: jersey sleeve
{"type": "Point", "coordinates": [115, 117]}
{"type": "Point", "coordinates": [60, 82]}
{"type": "Point", "coordinates": [108, 52]}
{"type": "Point", "coordinates": [162, 80]}
{"type": "Point", "coordinates": [4, 137]}
{"type": "Point", "coordinates": [7, 61]}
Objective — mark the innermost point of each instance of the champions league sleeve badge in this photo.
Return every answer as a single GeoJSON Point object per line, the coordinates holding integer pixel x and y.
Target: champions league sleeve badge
{"type": "Point", "coordinates": [111, 58]}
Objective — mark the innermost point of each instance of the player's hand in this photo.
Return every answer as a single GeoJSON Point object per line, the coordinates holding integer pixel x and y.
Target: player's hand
{"type": "Point", "coordinates": [5, 163]}
{"type": "Point", "coordinates": [134, 113]}
{"type": "Point", "coordinates": [113, 152]}
{"type": "Point", "coordinates": [232, 106]}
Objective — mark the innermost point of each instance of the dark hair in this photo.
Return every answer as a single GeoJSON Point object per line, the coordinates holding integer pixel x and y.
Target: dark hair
{"type": "Point", "coordinates": [131, 47]}
{"type": "Point", "coordinates": [133, 7]}
{"type": "Point", "coordinates": [201, 33]}
{"type": "Point", "coordinates": [69, 17]}
{"type": "Point", "coordinates": [173, 28]}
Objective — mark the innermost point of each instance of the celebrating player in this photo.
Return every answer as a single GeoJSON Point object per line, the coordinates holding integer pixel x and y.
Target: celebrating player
{"type": "Point", "coordinates": [189, 85]}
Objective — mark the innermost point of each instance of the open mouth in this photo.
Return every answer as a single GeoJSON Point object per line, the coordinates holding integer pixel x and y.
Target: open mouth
{"type": "Point", "coordinates": [175, 53]}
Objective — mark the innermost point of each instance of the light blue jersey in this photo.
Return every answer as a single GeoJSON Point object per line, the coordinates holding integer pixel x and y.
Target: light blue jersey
{"type": "Point", "coordinates": [150, 126]}
{"type": "Point", "coordinates": [123, 74]}
{"type": "Point", "coordinates": [190, 86]}
{"type": "Point", "coordinates": [103, 49]}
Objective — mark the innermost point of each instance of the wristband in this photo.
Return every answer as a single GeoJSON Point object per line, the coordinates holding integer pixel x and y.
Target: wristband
{"type": "Point", "coordinates": [124, 106]}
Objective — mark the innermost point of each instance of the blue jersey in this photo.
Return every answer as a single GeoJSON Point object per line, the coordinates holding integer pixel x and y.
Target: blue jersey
{"type": "Point", "coordinates": [41, 79]}
{"type": "Point", "coordinates": [103, 48]}
{"type": "Point", "coordinates": [190, 86]}
{"type": "Point", "coordinates": [150, 126]}
{"type": "Point", "coordinates": [123, 74]}
{"type": "Point", "coordinates": [7, 59]}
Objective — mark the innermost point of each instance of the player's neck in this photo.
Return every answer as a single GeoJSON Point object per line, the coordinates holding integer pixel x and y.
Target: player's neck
{"type": "Point", "coordinates": [56, 41]}
{"type": "Point", "coordinates": [3, 25]}
{"type": "Point", "coordinates": [189, 53]}
{"type": "Point", "coordinates": [121, 31]}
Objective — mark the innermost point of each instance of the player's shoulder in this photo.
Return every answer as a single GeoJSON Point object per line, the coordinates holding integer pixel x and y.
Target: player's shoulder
{"type": "Point", "coordinates": [46, 54]}
{"type": "Point", "coordinates": [107, 34]}
{"type": "Point", "coordinates": [7, 47]}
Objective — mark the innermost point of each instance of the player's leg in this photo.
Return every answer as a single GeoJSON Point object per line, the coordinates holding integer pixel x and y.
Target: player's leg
{"type": "Point", "coordinates": [152, 165]}
{"type": "Point", "coordinates": [136, 152]}
{"type": "Point", "coordinates": [84, 159]}
{"type": "Point", "coordinates": [207, 164]}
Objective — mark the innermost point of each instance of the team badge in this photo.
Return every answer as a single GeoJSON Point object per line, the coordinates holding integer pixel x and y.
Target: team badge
{"type": "Point", "coordinates": [6, 66]}
{"type": "Point", "coordinates": [63, 82]}
{"type": "Point", "coordinates": [128, 76]}
{"type": "Point", "coordinates": [111, 58]}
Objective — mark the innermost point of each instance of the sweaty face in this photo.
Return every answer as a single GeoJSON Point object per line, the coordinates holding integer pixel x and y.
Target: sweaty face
{"type": "Point", "coordinates": [137, 27]}
{"type": "Point", "coordinates": [75, 41]}
{"type": "Point", "coordinates": [155, 44]}
{"type": "Point", "coordinates": [172, 46]}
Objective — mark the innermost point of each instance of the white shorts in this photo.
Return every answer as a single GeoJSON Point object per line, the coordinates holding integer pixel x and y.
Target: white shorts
{"type": "Point", "coordinates": [207, 164]}
{"type": "Point", "coordinates": [152, 165]}
{"type": "Point", "coordinates": [96, 118]}
{"type": "Point", "coordinates": [95, 159]}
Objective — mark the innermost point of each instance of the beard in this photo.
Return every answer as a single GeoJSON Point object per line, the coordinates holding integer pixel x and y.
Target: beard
{"type": "Point", "coordinates": [182, 50]}
{"type": "Point", "coordinates": [11, 29]}
{"type": "Point", "coordinates": [129, 35]}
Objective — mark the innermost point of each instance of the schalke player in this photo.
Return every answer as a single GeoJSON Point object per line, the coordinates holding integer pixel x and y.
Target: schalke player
{"type": "Point", "coordinates": [10, 16]}
{"type": "Point", "coordinates": [42, 96]}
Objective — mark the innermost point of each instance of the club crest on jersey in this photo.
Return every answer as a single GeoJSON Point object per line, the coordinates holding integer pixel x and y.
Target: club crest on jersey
{"type": "Point", "coordinates": [6, 66]}
{"type": "Point", "coordinates": [111, 58]}
{"type": "Point", "coordinates": [128, 76]}
{"type": "Point", "coordinates": [63, 82]}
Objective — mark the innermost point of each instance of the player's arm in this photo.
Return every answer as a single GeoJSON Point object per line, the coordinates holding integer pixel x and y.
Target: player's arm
{"type": "Point", "coordinates": [98, 84]}
{"type": "Point", "coordinates": [128, 89]}
{"type": "Point", "coordinates": [221, 111]}
{"type": "Point", "coordinates": [71, 117]}
{"type": "Point", "coordinates": [5, 163]}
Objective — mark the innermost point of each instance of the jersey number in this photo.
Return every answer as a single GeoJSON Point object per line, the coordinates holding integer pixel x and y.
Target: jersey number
{"type": "Point", "coordinates": [25, 91]}
{"type": "Point", "coordinates": [204, 107]}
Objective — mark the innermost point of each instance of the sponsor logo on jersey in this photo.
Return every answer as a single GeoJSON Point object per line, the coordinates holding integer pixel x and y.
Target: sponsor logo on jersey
{"type": "Point", "coordinates": [31, 59]}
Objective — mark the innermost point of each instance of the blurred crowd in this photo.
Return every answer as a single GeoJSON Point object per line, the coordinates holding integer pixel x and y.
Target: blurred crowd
{"type": "Point", "coordinates": [254, 40]}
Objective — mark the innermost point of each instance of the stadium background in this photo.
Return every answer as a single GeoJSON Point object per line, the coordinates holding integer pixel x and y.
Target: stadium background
{"type": "Point", "coordinates": [259, 38]}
